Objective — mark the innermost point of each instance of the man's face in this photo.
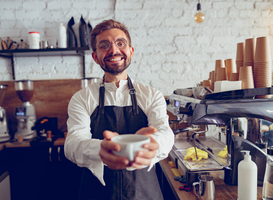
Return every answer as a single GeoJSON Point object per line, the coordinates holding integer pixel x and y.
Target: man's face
{"type": "Point", "coordinates": [114, 60]}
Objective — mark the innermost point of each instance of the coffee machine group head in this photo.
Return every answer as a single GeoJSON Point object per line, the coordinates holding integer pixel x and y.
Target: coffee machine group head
{"type": "Point", "coordinates": [25, 113]}
{"type": "Point", "coordinates": [4, 135]}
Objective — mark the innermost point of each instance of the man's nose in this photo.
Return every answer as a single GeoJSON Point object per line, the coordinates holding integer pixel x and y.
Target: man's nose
{"type": "Point", "coordinates": [113, 48]}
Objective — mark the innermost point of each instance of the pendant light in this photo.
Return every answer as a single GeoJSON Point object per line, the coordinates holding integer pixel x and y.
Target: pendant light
{"type": "Point", "coordinates": [199, 17]}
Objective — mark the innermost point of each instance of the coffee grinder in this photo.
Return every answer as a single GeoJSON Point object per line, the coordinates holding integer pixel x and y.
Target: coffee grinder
{"type": "Point", "coordinates": [25, 113]}
{"type": "Point", "coordinates": [4, 135]}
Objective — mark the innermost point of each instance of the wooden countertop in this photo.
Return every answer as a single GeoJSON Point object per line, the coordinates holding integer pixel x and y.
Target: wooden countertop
{"type": "Point", "coordinates": [222, 190]}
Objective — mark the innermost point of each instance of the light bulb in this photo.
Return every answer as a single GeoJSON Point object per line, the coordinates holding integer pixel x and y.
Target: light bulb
{"type": "Point", "coordinates": [199, 17]}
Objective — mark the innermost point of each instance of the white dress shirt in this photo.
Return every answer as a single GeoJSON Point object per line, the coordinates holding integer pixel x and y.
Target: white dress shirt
{"type": "Point", "coordinates": [79, 146]}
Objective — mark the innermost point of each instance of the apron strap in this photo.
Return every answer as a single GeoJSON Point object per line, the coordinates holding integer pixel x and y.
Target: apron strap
{"type": "Point", "coordinates": [133, 97]}
{"type": "Point", "coordinates": [101, 99]}
{"type": "Point", "coordinates": [132, 93]}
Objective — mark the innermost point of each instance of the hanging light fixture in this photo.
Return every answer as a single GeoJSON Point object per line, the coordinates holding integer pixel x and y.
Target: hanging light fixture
{"type": "Point", "coordinates": [199, 17]}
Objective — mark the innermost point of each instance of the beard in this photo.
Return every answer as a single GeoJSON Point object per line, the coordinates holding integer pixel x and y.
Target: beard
{"type": "Point", "coordinates": [115, 69]}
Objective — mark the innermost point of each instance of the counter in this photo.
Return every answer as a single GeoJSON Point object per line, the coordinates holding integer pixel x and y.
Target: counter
{"type": "Point", "coordinates": [57, 142]}
{"type": "Point", "coordinates": [40, 171]}
{"type": "Point", "coordinates": [222, 190]}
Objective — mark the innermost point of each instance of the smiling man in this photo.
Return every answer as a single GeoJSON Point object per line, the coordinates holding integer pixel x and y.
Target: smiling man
{"type": "Point", "coordinates": [116, 105]}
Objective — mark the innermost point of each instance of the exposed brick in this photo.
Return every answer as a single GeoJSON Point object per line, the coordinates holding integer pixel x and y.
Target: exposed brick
{"type": "Point", "coordinates": [34, 5]}
{"type": "Point", "coordinates": [168, 44]}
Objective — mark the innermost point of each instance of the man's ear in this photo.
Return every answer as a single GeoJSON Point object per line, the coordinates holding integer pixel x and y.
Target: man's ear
{"type": "Point", "coordinates": [132, 50]}
{"type": "Point", "coordinates": [95, 57]}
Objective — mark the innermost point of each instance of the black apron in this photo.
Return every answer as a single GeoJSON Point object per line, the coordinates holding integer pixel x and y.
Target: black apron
{"type": "Point", "coordinates": [120, 184]}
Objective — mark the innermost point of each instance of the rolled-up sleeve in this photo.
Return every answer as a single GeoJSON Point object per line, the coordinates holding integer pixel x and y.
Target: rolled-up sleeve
{"type": "Point", "coordinates": [158, 118]}
{"type": "Point", "coordinates": [79, 147]}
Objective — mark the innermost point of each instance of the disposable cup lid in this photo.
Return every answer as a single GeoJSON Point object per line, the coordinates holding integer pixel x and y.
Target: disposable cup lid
{"type": "Point", "coordinates": [33, 32]}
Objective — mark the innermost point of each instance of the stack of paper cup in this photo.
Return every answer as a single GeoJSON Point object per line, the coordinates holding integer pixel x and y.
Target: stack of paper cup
{"type": "Point", "coordinates": [262, 65]}
{"type": "Point", "coordinates": [249, 52]}
{"type": "Point", "coordinates": [240, 55]}
{"type": "Point", "coordinates": [206, 83]}
{"type": "Point", "coordinates": [234, 76]}
{"type": "Point", "coordinates": [221, 74]}
{"type": "Point", "coordinates": [212, 80]}
{"type": "Point", "coordinates": [246, 76]}
{"type": "Point", "coordinates": [219, 69]}
{"type": "Point", "coordinates": [230, 67]}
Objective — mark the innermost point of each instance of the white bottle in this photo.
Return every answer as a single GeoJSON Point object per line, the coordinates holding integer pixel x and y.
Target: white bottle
{"type": "Point", "coordinates": [62, 43]}
{"type": "Point", "coordinates": [247, 178]}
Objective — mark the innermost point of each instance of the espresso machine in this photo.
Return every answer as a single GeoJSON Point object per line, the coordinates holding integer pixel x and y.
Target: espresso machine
{"type": "Point", "coordinates": [218, 111]}
{"type": "Point", "coordinates": [25, 113]}
{"type": "Point", "coordinates": [4, 135]}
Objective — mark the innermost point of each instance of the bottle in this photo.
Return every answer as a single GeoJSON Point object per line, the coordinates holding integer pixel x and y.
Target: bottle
{"type": "Point", "coordinates": [247, 178]}
{"type": "Point", "coordinates": [22, 45]}
{"type": "Point", "coordinates": [62, 43]}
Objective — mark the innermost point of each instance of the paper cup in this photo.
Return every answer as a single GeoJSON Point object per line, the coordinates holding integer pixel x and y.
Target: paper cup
{"type": "Point", "coordinates": [234, 76]}
{"type": "Point", "coordinates": [262, 52]}
{"type": "Point", "coordinates": [230, 67]}
{"type": "Point", "coordinates": [240, 51]}
{"type": "Point", "coordinates": [246, 76]}
{"type": "Point", "coordinates": [221, 74]}
{"type": "Point", "coordinates": [249, 50]}
{"type": "Point", "coordinates": [219, 64]}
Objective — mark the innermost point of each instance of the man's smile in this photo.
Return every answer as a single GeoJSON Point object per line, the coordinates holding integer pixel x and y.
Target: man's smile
{"type": "Point", "coordinates": [114, 58]}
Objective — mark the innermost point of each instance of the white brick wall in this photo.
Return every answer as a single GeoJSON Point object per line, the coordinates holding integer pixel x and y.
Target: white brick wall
{"type": "Point", "coordinates": [171, 50]}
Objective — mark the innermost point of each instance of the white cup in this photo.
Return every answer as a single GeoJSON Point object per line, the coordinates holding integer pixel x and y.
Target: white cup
{"type": "Point", "coordinates": [130, 144]}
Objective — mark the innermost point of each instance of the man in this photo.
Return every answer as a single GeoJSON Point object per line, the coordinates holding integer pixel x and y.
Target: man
{"type": "Point", "coordinates": [116, 105]}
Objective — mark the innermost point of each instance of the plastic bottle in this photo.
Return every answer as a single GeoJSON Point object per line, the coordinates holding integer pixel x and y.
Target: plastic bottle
{"type": "Point", "coordinates": [247, 178]}
{"type": "Point", "coordinates": [62, 43]}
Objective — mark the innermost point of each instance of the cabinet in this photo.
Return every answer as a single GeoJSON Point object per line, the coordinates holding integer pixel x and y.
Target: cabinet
{"type": "Point", "coordinates": [37, 174]}
{"type": "Point", "coordinates": [77, 51]}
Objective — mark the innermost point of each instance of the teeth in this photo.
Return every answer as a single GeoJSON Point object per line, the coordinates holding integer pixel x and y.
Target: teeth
{"type": "Point", "coordinates": [116, 59]}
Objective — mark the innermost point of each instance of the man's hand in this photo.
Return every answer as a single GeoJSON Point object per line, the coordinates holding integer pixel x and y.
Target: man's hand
{"type": "Point", "coordinates": [107, 157]}
{"type": "Point", "coordinates": [117, 162]}
{"type": "Point", "coordinates": [145, 157]}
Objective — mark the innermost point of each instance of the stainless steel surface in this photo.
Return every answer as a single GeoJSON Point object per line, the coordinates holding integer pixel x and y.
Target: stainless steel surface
{"type": "Point", "coordinates": [180, 150]}
{"type": "Point", "coordinates": [195, 152]}
{"type": "Point", "coordinates": [206, 189]}
{"type": "Point", "coordinates": [220, 113]}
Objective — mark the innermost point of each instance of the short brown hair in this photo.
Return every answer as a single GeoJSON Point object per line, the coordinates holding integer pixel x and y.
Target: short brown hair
{"type": "Point", "coordinates": [107, 25]}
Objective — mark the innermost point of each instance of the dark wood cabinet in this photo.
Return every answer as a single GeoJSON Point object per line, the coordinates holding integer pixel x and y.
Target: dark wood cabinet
{"type": "Point", "coordinates": [42, 173]}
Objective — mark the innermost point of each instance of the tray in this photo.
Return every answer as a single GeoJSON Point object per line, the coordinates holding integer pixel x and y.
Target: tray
{"type": "Point", "coordinates": [239, 94]}
{"type": "Point", "coordinates": [180, 150]}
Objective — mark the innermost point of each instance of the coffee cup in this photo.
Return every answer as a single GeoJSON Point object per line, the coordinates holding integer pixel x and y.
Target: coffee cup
{"type": "Point", "coordinates": [130, 144]}
{"type": "Point", "coordinates": [206, 188]}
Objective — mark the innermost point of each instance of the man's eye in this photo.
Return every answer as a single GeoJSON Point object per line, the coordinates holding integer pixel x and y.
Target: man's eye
{"type": "Point", "coordinates": [103, 46]}
{"type": "Point", "coordinates": [121, 44]}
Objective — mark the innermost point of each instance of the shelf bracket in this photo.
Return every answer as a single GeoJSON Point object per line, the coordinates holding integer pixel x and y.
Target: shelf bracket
{"type": "Point", "coordinates": [12, 67]}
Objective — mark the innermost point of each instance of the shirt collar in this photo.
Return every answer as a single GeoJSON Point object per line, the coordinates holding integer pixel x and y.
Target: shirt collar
{"type": "Point", "coordinates": [123, 84]}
